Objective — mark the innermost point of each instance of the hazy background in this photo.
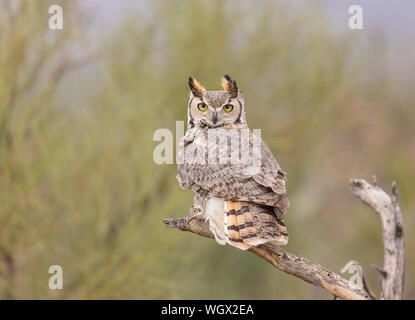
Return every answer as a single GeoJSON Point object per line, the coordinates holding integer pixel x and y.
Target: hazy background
{"type": "Point", "coordinates": [79, 106]}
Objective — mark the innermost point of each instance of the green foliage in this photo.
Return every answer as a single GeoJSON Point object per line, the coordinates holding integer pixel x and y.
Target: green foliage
{"type": "Point", "coordinates": [78, 185]}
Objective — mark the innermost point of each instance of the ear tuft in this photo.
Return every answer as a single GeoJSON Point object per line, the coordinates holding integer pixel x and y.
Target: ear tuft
{"type": "Point", "coordinates": [195, 87]}
{"type": "Point", "coordinates": [230, 86]}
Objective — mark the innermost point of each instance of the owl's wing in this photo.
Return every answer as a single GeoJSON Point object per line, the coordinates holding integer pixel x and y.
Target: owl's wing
{"type": "Point", "coordinates": [264, 186]}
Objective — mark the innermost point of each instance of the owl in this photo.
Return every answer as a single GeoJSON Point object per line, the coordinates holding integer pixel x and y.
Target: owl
{"type": "Point", "coordinates": [244, 204]}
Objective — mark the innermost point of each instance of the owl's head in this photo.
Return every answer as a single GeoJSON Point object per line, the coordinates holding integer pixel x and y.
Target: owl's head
{"type": "Point", "coordinates": [216, 108]}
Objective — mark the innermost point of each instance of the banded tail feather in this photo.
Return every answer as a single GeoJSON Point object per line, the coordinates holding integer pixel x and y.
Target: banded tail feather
{"type": "Point", "coordinates": [248, 224]}
{"type": "Point", "coordinates": [232, 227]}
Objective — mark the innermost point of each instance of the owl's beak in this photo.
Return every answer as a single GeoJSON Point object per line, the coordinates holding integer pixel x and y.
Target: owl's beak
{"type": "Point", "coordinates": [214, 117]}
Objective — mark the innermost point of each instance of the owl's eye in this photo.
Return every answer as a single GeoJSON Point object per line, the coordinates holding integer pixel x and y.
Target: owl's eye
{"type": "Point", "coordinates": [228, 108]}
{"type": "Point", "coordinates": [202, 107]}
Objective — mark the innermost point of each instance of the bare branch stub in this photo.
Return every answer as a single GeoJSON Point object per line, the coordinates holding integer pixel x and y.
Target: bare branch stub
{"type": "Point", "coordinates": [299, 267]}
{"type": "Point", "coordinates": [364, 282]}
{"type": "Point", "coordinates": [387, 207]}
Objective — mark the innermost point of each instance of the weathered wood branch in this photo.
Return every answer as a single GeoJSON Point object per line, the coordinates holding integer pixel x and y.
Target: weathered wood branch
{"type": "Point", "coordinates": [287, 262]}
{"type": "Point", "coordinates": [387, 207]}
{"type": "Point", "coordinates": [320, 276]}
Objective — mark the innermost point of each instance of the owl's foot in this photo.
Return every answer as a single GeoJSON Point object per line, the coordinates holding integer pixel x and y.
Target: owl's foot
{"type": "Point", "coordinates": [194, 212]}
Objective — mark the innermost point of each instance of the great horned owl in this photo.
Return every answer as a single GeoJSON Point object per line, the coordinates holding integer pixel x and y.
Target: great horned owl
{"type": "Point", "coordinates": [243, 207]}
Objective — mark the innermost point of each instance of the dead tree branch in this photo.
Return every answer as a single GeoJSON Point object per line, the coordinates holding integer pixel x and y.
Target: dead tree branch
{"type": "Point", "coordinates": [287, 262]}
{"type": "Point", "coordinates": [387, 207]}
{"type": "Point", "coordinates": [314, 273]}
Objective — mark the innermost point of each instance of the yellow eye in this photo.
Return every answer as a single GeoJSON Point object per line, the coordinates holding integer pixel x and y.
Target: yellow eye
{"type": "Point", "coordinates": [202, 107]}
{"type": "Point", "coordinates": [228, 108]}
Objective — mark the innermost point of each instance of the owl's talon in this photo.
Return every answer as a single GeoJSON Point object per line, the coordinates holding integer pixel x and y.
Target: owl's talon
{"type": "Point", "coordinates": [194, 213]}
{"type": "Point", "coordinates": [190, 218]}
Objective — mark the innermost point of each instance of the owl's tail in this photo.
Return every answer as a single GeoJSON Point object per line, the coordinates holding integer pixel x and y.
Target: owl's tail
{"type": "Point", "coordinates": [249, 224]}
